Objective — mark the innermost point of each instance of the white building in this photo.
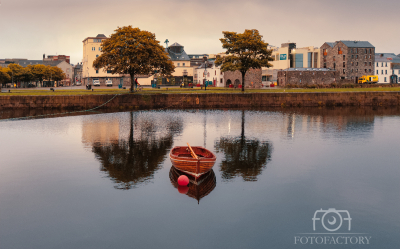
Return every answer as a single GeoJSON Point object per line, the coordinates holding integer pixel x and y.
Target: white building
{"type": "Point", "coordinates": [386, 67]}
{"type": "Point", "coordinates": [211, 73]}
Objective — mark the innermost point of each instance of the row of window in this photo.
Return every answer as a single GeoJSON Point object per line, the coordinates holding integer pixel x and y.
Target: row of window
{"type": "Point", "coordinates": [393, 72]}
{"type": "Point", "coordinates": [94, 48]}
{"type": "Point", "coordinates": [108, 71]}
{"type": "Point", "coordinates": [377, 64]}
{"type": "Point", "coordinates": [356, 50]}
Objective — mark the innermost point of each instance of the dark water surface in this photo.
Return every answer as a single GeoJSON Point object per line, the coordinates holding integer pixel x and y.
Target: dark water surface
{"type": "Point", "coordinates": [105, 180]}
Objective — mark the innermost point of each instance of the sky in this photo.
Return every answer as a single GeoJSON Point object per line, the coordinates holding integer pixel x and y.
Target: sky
{"type": "Point", "coordinates": [31, 28]}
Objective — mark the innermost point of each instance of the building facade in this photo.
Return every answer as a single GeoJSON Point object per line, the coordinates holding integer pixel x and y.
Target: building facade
{"type": "Point", "coordinates": [386, 67]}
{"type": "Point", "coordinates": [352, 59]}
{"type": "Point", "coordinates": [307, 76]}
{"type": "Point", "coordinates": [210, 72]}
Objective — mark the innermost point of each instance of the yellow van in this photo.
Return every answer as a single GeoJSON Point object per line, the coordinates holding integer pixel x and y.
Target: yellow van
{"type": "Point", "coordinates": [368, 79]}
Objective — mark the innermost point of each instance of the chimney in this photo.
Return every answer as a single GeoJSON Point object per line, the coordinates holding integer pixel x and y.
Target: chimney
{"type": "Point", "coordinates": [44, 56]}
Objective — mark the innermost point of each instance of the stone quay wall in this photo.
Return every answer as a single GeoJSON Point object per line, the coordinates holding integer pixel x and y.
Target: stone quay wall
{"type": "Point", "coordinates": [223, 100]}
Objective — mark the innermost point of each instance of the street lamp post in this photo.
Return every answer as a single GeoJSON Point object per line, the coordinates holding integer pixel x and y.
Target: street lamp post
{"type": "Point", "coordinates": [205, 74]}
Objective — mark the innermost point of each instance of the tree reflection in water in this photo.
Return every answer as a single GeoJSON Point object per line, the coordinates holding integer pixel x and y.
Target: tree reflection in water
{"type": "Point", "coordinates": [134, 161]}
{"type": "Point", "coordinates": [243, 157]}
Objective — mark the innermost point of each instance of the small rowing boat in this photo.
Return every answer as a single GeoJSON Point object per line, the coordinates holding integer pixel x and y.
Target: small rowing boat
{"type": "Point", "coordinates": [194, 161]}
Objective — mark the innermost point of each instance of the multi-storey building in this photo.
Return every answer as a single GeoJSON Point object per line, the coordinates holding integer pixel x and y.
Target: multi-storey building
{"type": "Point", "coordinates": [386, 67]}
{"type": "Point", "coordinates": [56, 58]}
{"type": "Point", "coordinates": [289, 56]}
{"type": "Point", "coordinates": [351, 59]}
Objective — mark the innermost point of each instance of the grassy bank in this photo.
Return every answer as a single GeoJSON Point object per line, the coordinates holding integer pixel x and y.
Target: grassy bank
{"type": "Point", "coordinates": [61, 91]}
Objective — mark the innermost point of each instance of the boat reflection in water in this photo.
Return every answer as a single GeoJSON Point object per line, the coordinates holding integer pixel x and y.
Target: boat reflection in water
{"type": "Point", "coordinates": [198, 188]}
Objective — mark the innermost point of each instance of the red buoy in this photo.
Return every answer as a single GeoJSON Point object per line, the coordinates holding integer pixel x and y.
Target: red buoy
{"type": "Point", "coordinates": [183, 180]}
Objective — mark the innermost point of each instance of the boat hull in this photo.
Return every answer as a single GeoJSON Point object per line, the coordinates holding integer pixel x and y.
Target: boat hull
{"type": "Point", "coordinates": [182, 160]}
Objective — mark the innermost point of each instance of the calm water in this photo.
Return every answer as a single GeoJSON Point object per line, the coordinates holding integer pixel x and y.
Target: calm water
{"type": "Point", "coordinates": [105, 180]}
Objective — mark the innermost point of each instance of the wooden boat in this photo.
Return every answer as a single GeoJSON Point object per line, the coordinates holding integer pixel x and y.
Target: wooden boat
{"type": "Point", "coordinates": [198, 187]}
{"type": "Point", "coordinates": [194, 161]}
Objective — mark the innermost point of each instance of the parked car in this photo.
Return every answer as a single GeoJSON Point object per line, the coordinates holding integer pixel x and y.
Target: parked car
{"type": "Point", "coordinates": [109, 83]}
{"type": "Point", "coordinates": [96, 82]}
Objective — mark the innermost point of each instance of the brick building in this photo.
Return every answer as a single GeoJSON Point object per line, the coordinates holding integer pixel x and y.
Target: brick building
{"type": "Point", "coordinates": [351, 59]}
{"type": "Point", "coordinates": [307, 76]}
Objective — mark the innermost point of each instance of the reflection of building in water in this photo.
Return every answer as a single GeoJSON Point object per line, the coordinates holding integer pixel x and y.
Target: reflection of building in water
{"type": "Point", "coordinates": [131, 148]}
{"type": "Point", "coordinates": [98, 130]}
{"type": "Point", "coordinates": [354, 122]}
{"type": "Point", "coordinates": [198, 188]}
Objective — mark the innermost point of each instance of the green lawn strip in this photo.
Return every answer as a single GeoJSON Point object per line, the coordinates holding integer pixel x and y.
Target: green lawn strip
{"type": "Point", "coordinates": [193, 91]}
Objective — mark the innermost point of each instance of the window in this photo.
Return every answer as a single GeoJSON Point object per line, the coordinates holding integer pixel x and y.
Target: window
{"type": "Point", "coordinates": [208, 74]}
{"type": "Point", "coordinates": [365, 51]}
{"type": "Point", "coordinates": [215, 72]}
{"type": "Point", "coordinates": [344, 57]}
{"type": "Point", "coordinates": [344, 70]}
{"type": "Point", "coordinates": [370, 56]}
{"type": "Point", "coordinates": [370, 64]}
{"type": "Point", "coordinates": [365, 70]}
{"type": "Point", "coordinates": [97, 71]}
{"type": "Point", "coordinates": [377, 71]}
{"type": "Point", "coordinates": [195, 76]}
{"type": "Point", "coordinates": [221, 80]}
{"type": "Point", "coordinates": [351, 70]}
{"type": "Point", "coordinates": [99, 48]}
{"type": "Point", "coordinates": [324, 65]}
{"type": "Point", "coordinates": [377, 64]}
{"type": "Point", "coordinates": [344, 64]}
{"type": "Point", "coordinates": [351, 50]}
{"type": "Point", "coordinates": [365, 63]}
{"type": "Point", "coordinates": [385, 79]}
{"type": "Point", "coordinates": [352, 63]}
{"type": "Point", "coordinates": [183, 64]}
{"type": "Point", "coordinates": [386, 64]}
{"type": "Point", "coordinates": [93, 49]}
{"type": "Point", "coordinates": [97, 55]}
{"type": "Point", "coordinates": [356, 50]}
{"type": "Point", "coordinates": [370, 51]}
{"type": "Point", "coordinates": [382, 64]}
{"type": "Point", "coordinates": [108, 71]}
{"type": "Point", "coordinates": [357, 63]}
{"type": "Point", "coordinates": [382, 72]}
{"type": "Point", "coordinates": [352, 56]}
{"type": "Point", "coordinates": [179, 64]}
{"type": "Point", "coordinates": [369, 70]}
{"type": "Point", "coordinates": [356, 56]}
{"type": "Point", "coordinates": [385, 71]}
{"type": "Point", "coordinates": [399, 71]}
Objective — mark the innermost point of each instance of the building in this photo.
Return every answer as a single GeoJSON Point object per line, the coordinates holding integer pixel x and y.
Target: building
{"type": "Point", "coordinates": [289, 56]}
{"type": "Point", "coordinates": [92, 50]}
{"type": "Point", "coordinates": [57, 58]}
{"type": "Point", "coordinates": [210, 72]}
{"type": "Point", "coordinates": [352, 59]}
{"type": "Point", "coordinates": [386, 67]}
{"type": "Point", "coordinates": [78, 74]}
{"type": "Point", "coordinates": [307, 76]}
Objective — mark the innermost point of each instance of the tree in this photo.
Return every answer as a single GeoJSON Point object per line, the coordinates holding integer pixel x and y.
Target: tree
{"type": "Point", "coordinates": [244, 51]}
{"type": "Point", "coordinates": [16, 72]}
{"type": "Point", "coordinates": [39, 72]}
{"type": "Point", "coordinates": [57, 73]}
{"type": "Point", "coordinates": [4, 76]}
{"type": "Point", "coordinates": [133, 51]}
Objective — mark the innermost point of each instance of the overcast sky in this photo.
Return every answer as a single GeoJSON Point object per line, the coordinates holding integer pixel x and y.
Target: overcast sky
{"type": "Point", "coordinates": [30, 28]}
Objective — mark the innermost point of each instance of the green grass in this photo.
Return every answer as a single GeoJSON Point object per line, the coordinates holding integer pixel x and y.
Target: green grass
{"type": "Point", "coordinates": [196, 90]}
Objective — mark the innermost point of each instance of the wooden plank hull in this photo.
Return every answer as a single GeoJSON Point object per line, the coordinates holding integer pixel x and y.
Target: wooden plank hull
{"type": "Point", "coordinates": [182, 160]}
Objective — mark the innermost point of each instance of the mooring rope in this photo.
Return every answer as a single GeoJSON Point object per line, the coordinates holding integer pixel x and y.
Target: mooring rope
{"type": "Point", "coordinates": [63, 113]}
{"type": "Point", "coordinates": [88, 110]}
